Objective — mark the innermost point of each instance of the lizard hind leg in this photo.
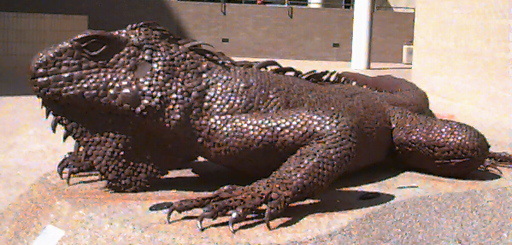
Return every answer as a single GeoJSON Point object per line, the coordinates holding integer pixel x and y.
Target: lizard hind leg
{"type": "Point", "coordinates": [437, 146]}
{"type": "Point", "coordinates": [396, 91]}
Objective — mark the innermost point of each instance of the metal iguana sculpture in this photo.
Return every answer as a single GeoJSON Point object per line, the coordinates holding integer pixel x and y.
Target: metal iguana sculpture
{"type": "Point", "coordinates": [140, 102]}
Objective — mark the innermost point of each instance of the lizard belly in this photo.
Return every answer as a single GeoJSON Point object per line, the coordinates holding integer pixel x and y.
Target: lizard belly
{"type": "Point", "coordinates": [374, 131]}
{"type": "Point", "coordinates": [256, 163]}
{"type": "Point", "coordinates": [371, 149]}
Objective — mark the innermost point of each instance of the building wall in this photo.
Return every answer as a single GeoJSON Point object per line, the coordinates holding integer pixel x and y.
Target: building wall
{"type": "Point", "coordinates": [253, 31]}
{"type": "Point", "coordinates": [269, 32]}
{"type": "Point", "coordinates": [23, 35]}
{"type": "Point", "coordinates": [462, 58]}
{"type": "Point", "coordinates": [273, 32]}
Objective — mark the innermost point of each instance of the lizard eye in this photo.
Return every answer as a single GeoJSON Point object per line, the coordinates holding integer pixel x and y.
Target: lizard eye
{"type": "Point", "coordinates": [100, 45]}
{"type": "Point", "coordinates": [94, 47]}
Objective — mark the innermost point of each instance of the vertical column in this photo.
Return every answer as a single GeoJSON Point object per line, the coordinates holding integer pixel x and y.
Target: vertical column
{"type": "Point", "coordinates": [362, 34]}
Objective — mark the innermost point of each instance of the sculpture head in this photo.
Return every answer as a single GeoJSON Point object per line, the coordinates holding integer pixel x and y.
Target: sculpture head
{"type": "Point", "coordinates": [141, 70]}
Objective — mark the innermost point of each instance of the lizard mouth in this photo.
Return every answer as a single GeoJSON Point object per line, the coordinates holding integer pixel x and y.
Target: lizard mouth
{"type": "Point", "coordinates": [80, 86]}
{"type": "Point", "coordinates": [48, 85]}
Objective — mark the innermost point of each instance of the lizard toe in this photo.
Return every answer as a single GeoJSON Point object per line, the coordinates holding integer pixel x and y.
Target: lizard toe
{"type": "Point", "coordinates": [74, 166]}
{"type": "Point", "coordinates": [274, 208]}
{"type": "Point", "coordinates": [236, 216]}
{"type": "Point", "coordinates": [236, 202]}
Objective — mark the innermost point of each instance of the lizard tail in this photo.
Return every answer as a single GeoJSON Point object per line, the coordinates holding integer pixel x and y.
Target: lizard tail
{"type": "Point", "coordinates": [502, 159]}
{"type": "Point", "coordinates": [497, 159]}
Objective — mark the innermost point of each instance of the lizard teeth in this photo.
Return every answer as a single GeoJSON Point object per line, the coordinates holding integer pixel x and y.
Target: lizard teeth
{"type": "Point", "coordinates": [55, 122]}
{"type": "Point", "coordinates": [67, 133]}
{"type": "Point", "coordinates": [76, 147]}
{"type": "Point", "coordinates": [47, 112]}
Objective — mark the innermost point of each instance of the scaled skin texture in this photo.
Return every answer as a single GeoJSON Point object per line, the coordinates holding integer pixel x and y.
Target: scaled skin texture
{"type": "Point", "coordinates": [140, 102]}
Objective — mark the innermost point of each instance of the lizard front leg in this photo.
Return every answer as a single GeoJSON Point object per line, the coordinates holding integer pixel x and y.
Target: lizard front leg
{"type": "Point", "coordinates": [121, 162]}
{"type": "Point", "coordinates": [327, 146]}
{"type": "Point", "coordinates": [76, 161]}
{"type": "Point", "coordinates": [117, 157]}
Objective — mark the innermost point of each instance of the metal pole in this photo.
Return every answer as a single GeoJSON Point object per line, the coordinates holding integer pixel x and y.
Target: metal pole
{"type": "Point", "coordinates": [362, 34]}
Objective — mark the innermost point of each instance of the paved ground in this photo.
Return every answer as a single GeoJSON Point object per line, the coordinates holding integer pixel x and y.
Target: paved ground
{"type": "Point", "coordinates": [406, 208]}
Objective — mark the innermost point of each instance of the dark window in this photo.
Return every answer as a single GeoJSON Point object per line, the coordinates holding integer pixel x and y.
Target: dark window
{"type": "Point", "coordinates": [348, 4]}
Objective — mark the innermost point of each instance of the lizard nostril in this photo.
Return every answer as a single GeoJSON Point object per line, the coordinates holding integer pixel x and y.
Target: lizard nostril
{"type": "Point", "coordinates": [130, 96]}
{"type": "Point", "coordinates": [142, 69]}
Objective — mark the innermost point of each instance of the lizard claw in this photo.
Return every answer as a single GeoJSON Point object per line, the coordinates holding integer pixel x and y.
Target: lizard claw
{"type": "Point", "coordinates": [236, 202]}
{"type": "Point", "coordinates": [200, 223]}
{"type": "Point", "coordinates": [74, 165]}
{"type": "Point", "coordinates": [68, 179]}
{"type": "Point", "coordinates": [47, 112]}
{"type": "Point", "coordinates": [230, 224]}
{"type": "Point", "coordinates": [169, 213]}
{"type": "Point", "coordinates": [66, 134]}
{"type": "Point", "coordinates": [235, 218]}
{"type": "Point", "coordinates": [267, 219]}
{"type": "Point", "coordinates": [162, 206]}
{"type": "Point", "coordinates": [208, 212]}
{"type": "Point", "coordinates": [61, 166]}
{"type": "Point", "coordinates": [54, 124]}
{"type": "Point", "coordinates": [274, 208]}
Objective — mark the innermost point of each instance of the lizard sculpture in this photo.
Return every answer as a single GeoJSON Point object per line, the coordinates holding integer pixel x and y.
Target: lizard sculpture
{"type": "Point", "coordinates": [140, 102]}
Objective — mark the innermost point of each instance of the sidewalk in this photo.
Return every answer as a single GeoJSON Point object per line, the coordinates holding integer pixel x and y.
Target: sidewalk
{"type": "Point", "coordinates": [408, 208]}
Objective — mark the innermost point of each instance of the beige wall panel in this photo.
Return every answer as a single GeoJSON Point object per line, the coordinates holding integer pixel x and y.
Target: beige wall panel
{"type": "Point", "coordinates": [462, 59]}
{"type": "Point", "coordinates": [23, 35]}
{"type": "Point", "coordinates": [270, 32]}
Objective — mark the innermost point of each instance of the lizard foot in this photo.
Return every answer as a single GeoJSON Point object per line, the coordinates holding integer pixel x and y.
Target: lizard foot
{"type": "Point", "coordinates": [74, 165]}
{"type": "Point", "coordinates": [234, 201]}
